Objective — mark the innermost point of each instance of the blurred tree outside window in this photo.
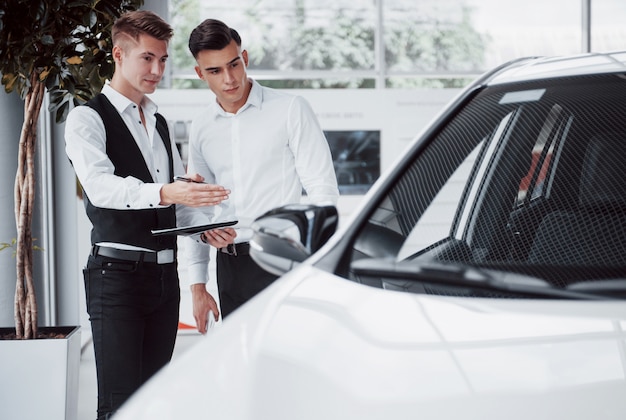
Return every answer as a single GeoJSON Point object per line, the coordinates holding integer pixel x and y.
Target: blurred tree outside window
{"type": "Point", "coordinates": [391, 43]}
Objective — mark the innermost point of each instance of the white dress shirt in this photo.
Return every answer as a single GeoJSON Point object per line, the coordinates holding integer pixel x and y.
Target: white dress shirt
{"type": "Point", "coordinates": [266, 154]}
{"type": "Point", "coordinates": [85, 145]}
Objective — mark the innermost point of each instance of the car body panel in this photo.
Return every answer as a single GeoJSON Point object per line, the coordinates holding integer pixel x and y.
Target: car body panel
{"type": "Point", "coordinates": [348, 347]}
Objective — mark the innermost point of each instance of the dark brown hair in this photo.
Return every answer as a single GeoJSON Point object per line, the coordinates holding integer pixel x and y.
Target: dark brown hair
{"type": "Point", "coordinates": [212, 34]}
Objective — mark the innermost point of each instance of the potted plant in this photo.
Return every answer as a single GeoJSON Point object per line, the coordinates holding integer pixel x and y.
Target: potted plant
{"type": "Point", "coordinates": [61, 47]}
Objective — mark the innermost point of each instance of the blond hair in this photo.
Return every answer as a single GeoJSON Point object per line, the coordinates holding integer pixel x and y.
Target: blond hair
{"type": "Point", "coordinates": [131, 25]}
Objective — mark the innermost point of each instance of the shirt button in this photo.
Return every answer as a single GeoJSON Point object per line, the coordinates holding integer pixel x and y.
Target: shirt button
{"type": "Point", "coordinates": [127, 206]}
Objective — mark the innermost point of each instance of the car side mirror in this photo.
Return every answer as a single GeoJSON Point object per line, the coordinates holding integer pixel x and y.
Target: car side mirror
{"type": "Point", "coordinates": [288, 235]}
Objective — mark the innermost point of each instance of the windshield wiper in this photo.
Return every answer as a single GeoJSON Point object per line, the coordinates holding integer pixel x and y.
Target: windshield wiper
{"type": "Point", "coordinates": [606, 287]}
{"type": "Point", "coordinates": [452, 274]}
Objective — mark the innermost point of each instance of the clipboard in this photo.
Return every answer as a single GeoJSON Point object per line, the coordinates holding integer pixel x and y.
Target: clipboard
{"type": "Point", "coordinates": [192, 230]}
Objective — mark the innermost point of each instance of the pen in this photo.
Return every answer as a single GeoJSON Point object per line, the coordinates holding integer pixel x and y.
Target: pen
{"type": "Point", "coordinates": [185, 179]}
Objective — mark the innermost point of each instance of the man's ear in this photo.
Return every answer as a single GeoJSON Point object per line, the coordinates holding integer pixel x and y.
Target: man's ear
{"type": "Point", "coordinates": [117, 53]}
{"type": "Point", "coordinates": [244, 54]}
{"type": "Point", "coordinates": [198, 72]}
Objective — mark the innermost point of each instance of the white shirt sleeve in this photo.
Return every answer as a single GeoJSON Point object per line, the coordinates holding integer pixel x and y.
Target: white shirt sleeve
{"type": "Point", "coordinates": [313, 159]}
{"type": "Point", "coordinates": [85, 145]}
{"type": "Point", "coordinates": [197, 260]}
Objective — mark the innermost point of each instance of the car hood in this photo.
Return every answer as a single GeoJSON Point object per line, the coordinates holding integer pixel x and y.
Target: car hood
{"type": "Point", "coordinates": [314, 346]}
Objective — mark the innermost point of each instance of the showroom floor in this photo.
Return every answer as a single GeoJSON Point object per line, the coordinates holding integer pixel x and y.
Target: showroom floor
{"type": "Point", "coordinates": [87, 387]}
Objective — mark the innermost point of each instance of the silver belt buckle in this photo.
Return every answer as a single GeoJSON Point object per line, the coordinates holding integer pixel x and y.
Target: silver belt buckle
{"type": "Point", "coordinates": [165, 256]}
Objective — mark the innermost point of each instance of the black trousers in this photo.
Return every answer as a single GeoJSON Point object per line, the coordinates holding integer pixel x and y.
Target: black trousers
{"type": "Point", "coordinates": [133, 308]}
{"type": "Point", "coordinates": [239, 278]}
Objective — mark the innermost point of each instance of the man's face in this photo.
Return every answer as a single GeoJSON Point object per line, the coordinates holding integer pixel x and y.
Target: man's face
{"type": "Point", "coordinates": [141, 66]}
{"type": "Point", "coordinates": [224, 71]}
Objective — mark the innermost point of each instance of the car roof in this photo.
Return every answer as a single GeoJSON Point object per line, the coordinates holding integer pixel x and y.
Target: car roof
{"type": "Point", "coordinates": [535, 68]}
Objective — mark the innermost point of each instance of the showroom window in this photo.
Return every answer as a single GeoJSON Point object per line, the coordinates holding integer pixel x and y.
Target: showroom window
{"type": "Point", "coordinates": [395, 43]}
{"type": "Point", "coordinates": [607, 25]}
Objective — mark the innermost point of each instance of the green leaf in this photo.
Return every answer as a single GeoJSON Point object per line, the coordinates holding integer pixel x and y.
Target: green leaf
{"type": "Point", "coordinates": [8, 80]}
{"type": "Point", "coordinates": [62, 111]}
{"type": "Point", "coordinates": [56, 96]}
{"type": "Point", "coordinates": [5, 245]}
{"type": "Point", "coordinates": [47, 40]}
{"type": "Point", "coordinates": [43, 34]}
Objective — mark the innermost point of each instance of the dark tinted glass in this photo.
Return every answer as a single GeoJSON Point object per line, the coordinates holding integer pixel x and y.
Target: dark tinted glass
{"type": "Point", "coordinates": [527, 178]}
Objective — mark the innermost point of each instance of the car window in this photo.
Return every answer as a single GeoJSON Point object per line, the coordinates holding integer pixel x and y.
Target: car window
{"type": "Point", "coordinates": [526, 177]}
{"type": "Point", "coordinates": [436, 222]}
{"type": "Point", "coordinates": [536, 183]}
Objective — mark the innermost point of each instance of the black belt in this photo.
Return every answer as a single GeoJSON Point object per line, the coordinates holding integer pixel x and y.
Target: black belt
{"type": "Point", "coordinates": [242, 248]}
{"type": "Point", "coordinates": [165, 256]}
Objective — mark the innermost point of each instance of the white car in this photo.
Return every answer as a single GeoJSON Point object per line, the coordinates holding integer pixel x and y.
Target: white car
{"type": "Point", "coordinates": [483, 277]}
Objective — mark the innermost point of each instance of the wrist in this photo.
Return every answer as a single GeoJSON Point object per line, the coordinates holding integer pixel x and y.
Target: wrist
{"type": "Point", "coordinates": [197, 287]}
{"type": "Point", "coordinates": [164, 196]}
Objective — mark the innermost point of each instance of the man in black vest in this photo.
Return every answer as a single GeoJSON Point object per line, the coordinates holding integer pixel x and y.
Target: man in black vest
{"type": "Point", "coordinates": [122, 154]}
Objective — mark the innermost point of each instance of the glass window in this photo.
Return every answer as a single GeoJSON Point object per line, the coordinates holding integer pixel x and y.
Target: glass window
{"type": "Point", "coordinates": [513, 28]}
{"type": "Point", "coordinates": [392, 43]}
{"type": "Point", "coordinates": [536, 183]}
{"type": "Point", "coordinates": [456, 201]}
{"type": "Point", "coordinates": [432, 36]}
{"type": "Point", "coordinates": [607, 25]}
{"type": "Point", "coordinates": [286, 36]}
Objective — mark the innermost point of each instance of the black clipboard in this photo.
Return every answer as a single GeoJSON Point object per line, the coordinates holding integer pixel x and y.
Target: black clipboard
{"type": "Point", "coordinates": [192, 230]}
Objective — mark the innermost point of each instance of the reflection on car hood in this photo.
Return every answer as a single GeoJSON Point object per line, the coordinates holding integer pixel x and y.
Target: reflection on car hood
{"type": "Point", "coordinates": [313, 346]}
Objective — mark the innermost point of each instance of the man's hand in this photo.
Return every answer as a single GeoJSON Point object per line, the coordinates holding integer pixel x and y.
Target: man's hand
{"type": "Point", "coordinates": [203, 302]}
{"type": "Point", "coordinates": [219, 238]}
{"type": "Point", "coordinates": [193, 194]}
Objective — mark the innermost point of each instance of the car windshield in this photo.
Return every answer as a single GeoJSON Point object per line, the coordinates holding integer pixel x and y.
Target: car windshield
{"type": "Point", "coordinates": [526, 178]}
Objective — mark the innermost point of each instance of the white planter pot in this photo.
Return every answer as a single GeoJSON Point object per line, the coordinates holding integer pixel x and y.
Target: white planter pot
{"type": "Point", "coordinates": [39, 378]}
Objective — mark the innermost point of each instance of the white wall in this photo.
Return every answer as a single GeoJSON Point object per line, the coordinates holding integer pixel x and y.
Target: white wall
{"type": "Point", "coordinates": [12, 111]}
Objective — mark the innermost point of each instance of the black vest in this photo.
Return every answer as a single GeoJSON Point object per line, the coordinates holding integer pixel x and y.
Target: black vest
{"type": "Point", "coordinates": [130, 227]}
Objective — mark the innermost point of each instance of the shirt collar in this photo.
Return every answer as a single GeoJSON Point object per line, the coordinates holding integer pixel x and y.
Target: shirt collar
{"type": "Point", "coordinates": [122, 103]}
{"type": "Point", "coordinates": [255, 98]}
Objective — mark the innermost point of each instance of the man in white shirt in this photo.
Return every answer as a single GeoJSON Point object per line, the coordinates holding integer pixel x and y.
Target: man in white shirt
{"type": "Point", "coordinates": [123, 157]}
{"type": "Point", "coordinates": [265, 146]}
